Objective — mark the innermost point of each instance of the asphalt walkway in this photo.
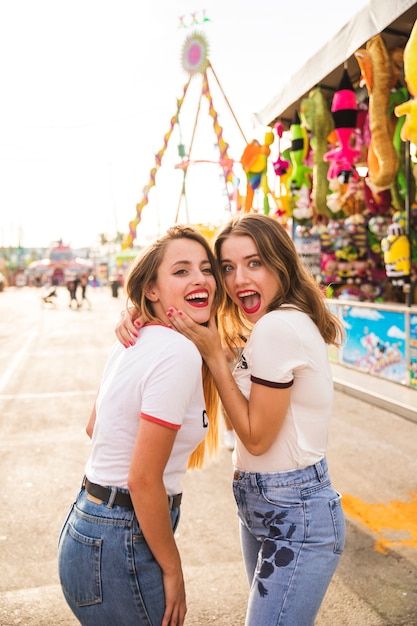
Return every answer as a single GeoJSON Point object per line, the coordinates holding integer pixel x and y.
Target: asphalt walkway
{"type": "Point", "coordinates": [50, 364]}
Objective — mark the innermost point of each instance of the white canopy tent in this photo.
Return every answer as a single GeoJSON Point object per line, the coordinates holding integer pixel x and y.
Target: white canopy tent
{"type": "Point", "coordinates": [394, 19]}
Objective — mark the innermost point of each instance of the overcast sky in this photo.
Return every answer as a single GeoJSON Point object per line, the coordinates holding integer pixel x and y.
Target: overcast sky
{"type": "Point", "coordinates": [88, 89]}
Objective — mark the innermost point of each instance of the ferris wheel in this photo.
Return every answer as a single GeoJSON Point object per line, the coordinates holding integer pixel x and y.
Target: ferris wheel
{"type": "Point", "coordinates": [196, 63]}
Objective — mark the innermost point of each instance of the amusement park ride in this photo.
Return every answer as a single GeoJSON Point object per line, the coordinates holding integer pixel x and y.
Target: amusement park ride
{"type": "Point", "coordinates": [59, 265]}
{"type": "Point", "coordinates": [196, 63]}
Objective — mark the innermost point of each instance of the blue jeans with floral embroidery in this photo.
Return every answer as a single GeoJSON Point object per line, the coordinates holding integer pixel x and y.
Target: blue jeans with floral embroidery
{"type": "Point", "coordinates": [292, 531]}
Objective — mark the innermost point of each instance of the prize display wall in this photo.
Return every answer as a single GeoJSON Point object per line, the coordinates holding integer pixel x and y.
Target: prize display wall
{"type": "Point", "coordinates": [348, 183]}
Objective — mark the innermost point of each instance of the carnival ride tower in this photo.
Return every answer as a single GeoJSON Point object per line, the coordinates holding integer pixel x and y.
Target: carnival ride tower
{"type": "Point", "coordinates": [195, 61]}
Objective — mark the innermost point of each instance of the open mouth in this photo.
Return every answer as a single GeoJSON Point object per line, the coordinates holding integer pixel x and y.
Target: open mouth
{"type": "Point", "coordinates": [198, 298]}
{"type": "Point", "coordinates": [250, 301]}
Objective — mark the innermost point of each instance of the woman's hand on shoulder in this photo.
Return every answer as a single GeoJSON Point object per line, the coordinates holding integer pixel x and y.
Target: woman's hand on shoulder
{"type": "Point", "coordinates": [127, 327]}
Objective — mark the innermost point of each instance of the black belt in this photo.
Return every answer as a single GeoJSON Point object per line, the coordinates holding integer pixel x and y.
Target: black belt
{"type": "Point", "coordinates": [122, 498]}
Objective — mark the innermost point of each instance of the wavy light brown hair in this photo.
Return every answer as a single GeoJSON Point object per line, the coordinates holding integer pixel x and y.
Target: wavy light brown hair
{"type": "Point", "coordinates": [297, 285]}
{"type": "Point", "coordinates": [142, 274]}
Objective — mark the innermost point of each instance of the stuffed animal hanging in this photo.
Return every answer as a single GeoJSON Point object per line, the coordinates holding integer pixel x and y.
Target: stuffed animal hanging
{"type": "Point", "coordinates": [299, 182]}
{"type": "Point", "coordinates": [375, 65]}
{"type": "Point", "coordinates": [315, 113]}
{"type": "Point", "coordinates": [254, 161]}
{"type": "Point", "coordinates": [298, 154]}
{"type": "Point", "coordinates": [282, 169]}
{"type": "Point", "coordinates": [409, 108]}
{"type": "Point", "coordinates": [344, 111]}
{"type": "Point", "coordinates": [281, 166]}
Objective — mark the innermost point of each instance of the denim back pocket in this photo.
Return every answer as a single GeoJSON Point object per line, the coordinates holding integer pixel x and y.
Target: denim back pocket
{"type": "Point", "coordinates": [79, 567]}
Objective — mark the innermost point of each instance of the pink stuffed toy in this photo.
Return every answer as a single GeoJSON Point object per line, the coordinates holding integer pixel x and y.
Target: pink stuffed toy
{"type": "Point", "coordinates": [344, 111]}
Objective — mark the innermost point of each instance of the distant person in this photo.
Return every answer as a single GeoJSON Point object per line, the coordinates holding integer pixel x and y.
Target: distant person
{"type": "Point", "coordinates": [72, 285]}
{"type": "Point", "coordinates": [95, 281]}
{"type": "Point", "coordinates": [119, 564]}
{"type": "Point", "coordinates": [115, 285]}
{"type": "Point", "coordinates": [84, 285]}
{"type": "Point", "coordinates": [49, 293]}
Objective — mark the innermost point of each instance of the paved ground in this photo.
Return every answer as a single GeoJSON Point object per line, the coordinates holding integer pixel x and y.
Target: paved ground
{"type": "Point", "coordinates": [50, 364]}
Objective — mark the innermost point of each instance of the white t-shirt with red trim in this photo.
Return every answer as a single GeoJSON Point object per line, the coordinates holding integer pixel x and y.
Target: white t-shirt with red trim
{"type": "Point", "coordinates": [158, 379]}
{"type": "Point", "coordinates": [286, 349]}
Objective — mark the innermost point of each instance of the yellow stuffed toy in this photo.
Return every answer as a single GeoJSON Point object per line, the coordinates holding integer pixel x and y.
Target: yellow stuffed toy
{"type": "Point", "coordinates": [396, 249]}
{"type": "Point", "coordinates": [409, 108]}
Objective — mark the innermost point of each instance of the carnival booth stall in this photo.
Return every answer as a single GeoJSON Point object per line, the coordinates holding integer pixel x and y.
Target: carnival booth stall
{"type": "Point", "coordinates": [349, 184]}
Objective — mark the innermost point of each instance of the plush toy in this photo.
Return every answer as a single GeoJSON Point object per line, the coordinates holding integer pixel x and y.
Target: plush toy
{"type": "Point", "coordinates": [315, 114]}
{"type": "Point", "coordinates": [378, 201]}
{"type": "Point", "coordinates": [329, 268]}
{"type": "Point", "coordinates": [399, 186]}
{"type": "Point", "coordinates": [345, 199]}
{"type": "Point", "coordinates": [346, 258]}
{"type": "Point", "coordinates": [254, 161]}
{"type": "Point", "coordinates": [409, 108]}
{"type": "Point", "coordinates": [362, 134]}
{"type": "Point", "coordinates": [298, 154]}
{"type": "Point", "coordinates": [302, 210]}
{"type": "Point", "coordinates": [299, 181]}
{"type": "Point", "coordinates": [344, 111]}
{"type": "Point", "coordinates": [334, 199]}
{"type": "Point", "coordinates": [396, 249]}
{"type": "Point", "coordinates": [378, 226]}
{"type": "Point", "coordinates": [356, 227]}
{"type": "Point", "coordinates": [281, 166]}
{"type": "Point", "coordinates": [376, 69]}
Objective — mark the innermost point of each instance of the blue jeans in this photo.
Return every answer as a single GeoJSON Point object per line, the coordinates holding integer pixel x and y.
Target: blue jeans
{"type": "Point", "coordinates": [292, 530]}
{"type": "Point", "coordinates": [108, 574]}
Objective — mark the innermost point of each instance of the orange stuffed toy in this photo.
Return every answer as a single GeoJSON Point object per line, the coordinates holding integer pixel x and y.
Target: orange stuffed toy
{"type": "Point", "coordinates": [254, 161]}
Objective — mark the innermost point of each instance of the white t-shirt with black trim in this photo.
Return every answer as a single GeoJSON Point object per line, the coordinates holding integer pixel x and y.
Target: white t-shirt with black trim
{"type": "Point", "coordinates": [285, 349]}
{"type": "Point", "coordinates": [158, 379]}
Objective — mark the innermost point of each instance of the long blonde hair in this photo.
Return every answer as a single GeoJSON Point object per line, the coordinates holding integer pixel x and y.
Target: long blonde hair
{"type": "Point", "coordinates": [297, 285]}
{"type": "Point", "coordinates": [142, 274]}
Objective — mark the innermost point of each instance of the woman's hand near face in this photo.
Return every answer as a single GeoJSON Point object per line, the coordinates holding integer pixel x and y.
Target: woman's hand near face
{"type": "Point", "coordinates": [127, 327]}
{"type": "Point", "coordinates": [206, 338]}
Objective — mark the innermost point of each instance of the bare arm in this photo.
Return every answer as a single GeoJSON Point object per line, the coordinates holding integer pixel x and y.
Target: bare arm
{"type": "Point", "coordinates": [89, 429]}
{"type": "Point", "coordinates": [257, 421]}
{"type": "Point", "coordinates": [127, 327]}
{"type": "Point", "coordinates": [152, 450]}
